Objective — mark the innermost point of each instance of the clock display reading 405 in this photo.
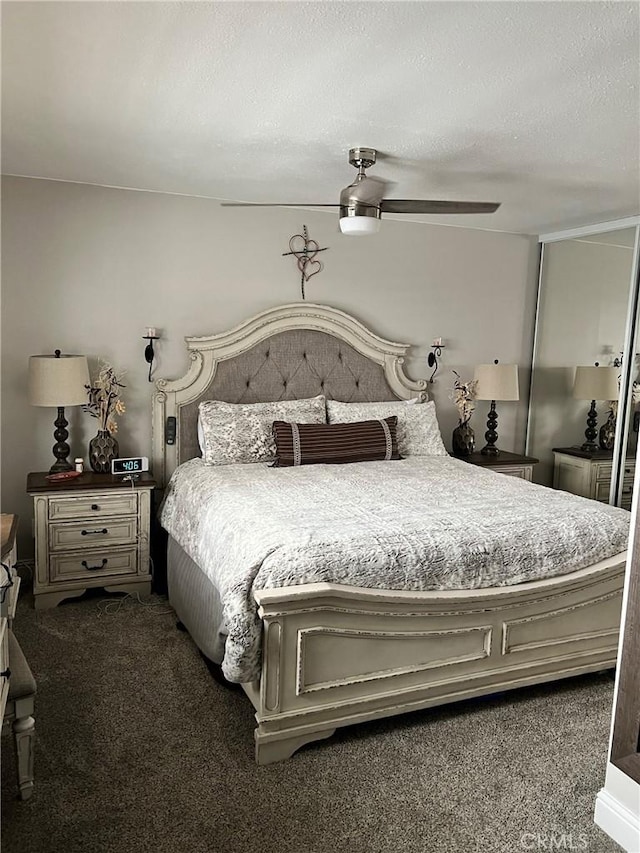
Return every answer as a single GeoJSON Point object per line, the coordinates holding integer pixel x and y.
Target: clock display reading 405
{"type": "Point", "coordinates": [131, 465]}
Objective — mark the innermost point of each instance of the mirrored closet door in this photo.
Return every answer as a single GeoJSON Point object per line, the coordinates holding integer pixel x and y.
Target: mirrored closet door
{"type": "Point", "coordinates": [584, 406]}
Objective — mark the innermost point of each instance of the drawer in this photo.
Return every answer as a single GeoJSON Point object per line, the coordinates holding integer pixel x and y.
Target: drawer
{"type": "Point", "coordinates": [4, 646]}
{"type": "Point", "coordinates": [601, 491]}
{"type": "Point", "coordinates": [102, 505]}
{"type": "Point", "coordinates": [521, 471]}
{"type": "Point", "coordinates": [9, 590]}
{"type": "Point", "coordinates": [88, 534]}
{"type": "Point", "coordinates": [4, 664]}
{"type": "Point", "coordinates": [8, 605]}
{"type": "Point", "coordinates": [627, 493]}
{"type": "Point", "coordinates": [602, 471]}
{"type": "Point", "coordinates": [13, 598]}
{"type": "Point", "coordinates": [84, 565]}
{"type": "Point", "coordinates": [7, 593]}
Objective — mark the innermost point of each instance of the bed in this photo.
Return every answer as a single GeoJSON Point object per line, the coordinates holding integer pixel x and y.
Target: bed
{"type": "Point", "coordinates": [331, 653]}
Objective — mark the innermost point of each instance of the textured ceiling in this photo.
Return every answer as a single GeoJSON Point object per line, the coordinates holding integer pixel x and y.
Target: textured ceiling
{"type": "Point", "coordinates": [532, 104]}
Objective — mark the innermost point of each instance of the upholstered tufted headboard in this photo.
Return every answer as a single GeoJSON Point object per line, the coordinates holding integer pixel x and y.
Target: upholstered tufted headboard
{"type": "Point", "coordinates": [286, 353]}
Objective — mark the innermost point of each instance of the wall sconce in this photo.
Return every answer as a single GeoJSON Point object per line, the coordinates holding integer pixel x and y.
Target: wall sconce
{"type": "Point", "coordinates": [151, 336]}
{"type": "Point", "coordinates": [432, 358]}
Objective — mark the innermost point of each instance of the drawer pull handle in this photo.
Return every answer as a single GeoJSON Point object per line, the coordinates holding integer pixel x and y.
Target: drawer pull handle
{"type": "Point", "coordinates": [90, 532]}
{"type": "Point", "coordinates": [95, 506]}
{"type": "Point", "coordinates": [6, 673]}
{"type": "Point", "coordinates": [94, 568]}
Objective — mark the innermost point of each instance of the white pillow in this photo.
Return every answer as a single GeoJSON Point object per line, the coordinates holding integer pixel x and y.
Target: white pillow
{"type": "Point", "coordinates": [242, 432]}
{"type": "Point", "coordinates": [418, 431]}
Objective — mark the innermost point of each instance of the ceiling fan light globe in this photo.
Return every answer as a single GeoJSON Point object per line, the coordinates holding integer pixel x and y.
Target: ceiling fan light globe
{"type": "Point", "coordinates": [359, 226]}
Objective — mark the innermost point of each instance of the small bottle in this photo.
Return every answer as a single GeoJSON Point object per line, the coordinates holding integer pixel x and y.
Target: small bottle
{"type": "Point", "coordinates": [79, 464]}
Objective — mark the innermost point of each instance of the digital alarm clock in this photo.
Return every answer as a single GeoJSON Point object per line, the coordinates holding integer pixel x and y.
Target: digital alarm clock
{"type": "Point", "coordinates": [130, 465]}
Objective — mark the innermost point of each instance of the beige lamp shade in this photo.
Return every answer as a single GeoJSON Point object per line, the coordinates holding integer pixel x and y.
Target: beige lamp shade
{"type": "Point", "coordinates": [497, 382]}
{"type": "Point", "coordinates": [57, 381]}
{"type": "Point", "coordinates": [596, 383]}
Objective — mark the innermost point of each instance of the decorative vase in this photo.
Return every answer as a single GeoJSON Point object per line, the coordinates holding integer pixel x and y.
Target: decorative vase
{"type": "Point", "coordinates": [102, 449]}
{"type": "Point", "coordinates": [608, 433]}
{"type": "Point", "coordinates": [464, 440]}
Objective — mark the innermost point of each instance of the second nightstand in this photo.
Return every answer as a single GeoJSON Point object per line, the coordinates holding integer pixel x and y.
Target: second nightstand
{"type": "Point", "coordinates": [512, 464]}
{"type": "Point", "coordinates": [92, 531]}
{"type": "Point", "coordinates": [582, 472]}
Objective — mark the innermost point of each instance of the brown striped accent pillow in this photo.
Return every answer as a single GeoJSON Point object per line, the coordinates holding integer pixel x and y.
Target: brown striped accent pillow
{"type": "Point", "coordinates": [313, 444]}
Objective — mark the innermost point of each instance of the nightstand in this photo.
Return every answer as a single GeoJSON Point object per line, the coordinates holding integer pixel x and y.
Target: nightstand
{"type": "Point", "coordinates": [9, 586]}
{"type": "Point", "coordinates": [589, 474]}
{"type": "Point", "coordinates": [17, 697]}
{"type": "Point", "coordinates": [92, 531]}
{"type": "Point", "coordinates": [9, 597]}
{"type": "Point", "coordinates": [512, 464]}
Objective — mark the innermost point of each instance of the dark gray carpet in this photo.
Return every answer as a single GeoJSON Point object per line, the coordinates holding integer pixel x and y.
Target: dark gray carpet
{"type": "Point", "coordinates": [140, 750]}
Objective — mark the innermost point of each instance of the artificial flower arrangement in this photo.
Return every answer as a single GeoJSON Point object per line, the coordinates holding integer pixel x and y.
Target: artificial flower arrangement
{"type": "Point", "coordinates": [104, 398]}
{"type": "Point", "coordinates": [463, 395]}
{"type": "Point", "coordinates": [635, 399]}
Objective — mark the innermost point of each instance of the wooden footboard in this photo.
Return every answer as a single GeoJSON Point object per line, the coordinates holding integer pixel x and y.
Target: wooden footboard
{"type": "Point", "coordinates": [336, 655]}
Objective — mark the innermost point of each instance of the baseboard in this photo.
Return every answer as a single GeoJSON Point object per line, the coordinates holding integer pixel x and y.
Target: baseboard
{"type": "Point", "coordinates": [618, 822]}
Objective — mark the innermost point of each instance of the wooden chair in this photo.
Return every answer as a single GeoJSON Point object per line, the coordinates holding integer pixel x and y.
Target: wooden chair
{"type": "Point", "coordinates": [19, 711]}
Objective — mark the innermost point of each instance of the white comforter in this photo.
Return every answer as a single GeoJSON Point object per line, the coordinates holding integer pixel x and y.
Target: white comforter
{"type": "Point", "coordinates": [419, 523]}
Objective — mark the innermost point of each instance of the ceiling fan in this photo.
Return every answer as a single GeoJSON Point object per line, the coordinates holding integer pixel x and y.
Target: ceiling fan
{"type": "Point", "coordinates": [362, 203]}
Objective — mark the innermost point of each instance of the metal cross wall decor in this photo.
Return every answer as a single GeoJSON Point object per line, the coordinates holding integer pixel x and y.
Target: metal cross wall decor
{"type": "Point", "coordinates": [305, 250]}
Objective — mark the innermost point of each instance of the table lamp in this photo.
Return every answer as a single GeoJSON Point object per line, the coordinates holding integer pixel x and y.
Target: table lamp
{"type": "Point", "coordinates": [495, 382]}
{"type": "Point", "coordinates": [594, 383]}
{"type": "Point", "coordinates": [58, 381]}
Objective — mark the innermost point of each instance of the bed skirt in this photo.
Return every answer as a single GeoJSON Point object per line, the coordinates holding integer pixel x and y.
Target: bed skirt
{"type": "Point", "coordinates": [196, 602]}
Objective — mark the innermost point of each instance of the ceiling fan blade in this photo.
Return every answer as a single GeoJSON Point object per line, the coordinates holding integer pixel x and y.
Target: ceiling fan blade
{"type": "Point", "coordinates": [398, 205]}
{"type": "Point", "coordinates": [273, 204]}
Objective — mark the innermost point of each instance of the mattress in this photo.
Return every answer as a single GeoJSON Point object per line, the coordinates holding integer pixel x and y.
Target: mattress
{"type": "Point", "coordinates": [422, 523]}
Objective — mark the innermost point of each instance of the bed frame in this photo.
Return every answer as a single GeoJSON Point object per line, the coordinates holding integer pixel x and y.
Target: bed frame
{"type": "Point", "coordinates": [336, 655]}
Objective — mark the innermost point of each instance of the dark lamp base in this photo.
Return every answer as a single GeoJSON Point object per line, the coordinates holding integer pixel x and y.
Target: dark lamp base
{"type": "Point", "coordinates": [491, 435]}
{"type": "Point", "coordinates": [60, 465]}
{"type": "Point", "coordinates": [61, 449]}
{"type": "Point", "coordinates": [591, 433]}
{"type": "Point", "coordinates": [490, 450]}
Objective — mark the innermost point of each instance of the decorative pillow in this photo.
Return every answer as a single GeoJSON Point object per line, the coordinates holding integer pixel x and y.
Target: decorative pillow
{"type": "Point", "coordinates": [242, 432]}
{"type": "Point", "coordinates": [418, 430]}
{"type": "Point", "coordinates": [312, 444]}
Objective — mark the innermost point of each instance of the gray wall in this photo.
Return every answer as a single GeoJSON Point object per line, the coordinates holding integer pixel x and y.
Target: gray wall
{"type": "Point", "coordinates": [86, 269]}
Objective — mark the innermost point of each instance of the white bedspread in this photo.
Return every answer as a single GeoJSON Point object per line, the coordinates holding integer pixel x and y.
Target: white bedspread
{"type": "Point", "coordinates": [417, 524]}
